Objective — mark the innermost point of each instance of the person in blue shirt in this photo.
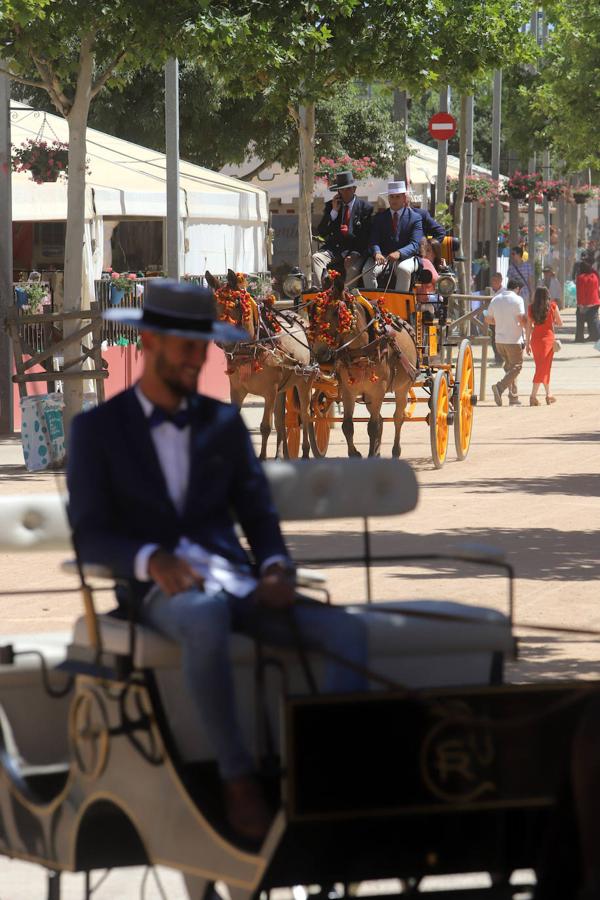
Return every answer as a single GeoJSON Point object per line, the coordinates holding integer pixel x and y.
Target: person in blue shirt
{"type": "Point", "coordinates": [396, 234]}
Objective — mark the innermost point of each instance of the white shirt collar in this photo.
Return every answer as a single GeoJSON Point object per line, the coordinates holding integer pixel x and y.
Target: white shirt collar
{"type": "Point", "coordinates": [147, 405]}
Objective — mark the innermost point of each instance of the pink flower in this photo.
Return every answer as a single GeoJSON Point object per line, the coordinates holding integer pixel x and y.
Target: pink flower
{"type": "Point", "coordinates": [114, 275]}
{"type": "Point", "coordinates": [132, 276]}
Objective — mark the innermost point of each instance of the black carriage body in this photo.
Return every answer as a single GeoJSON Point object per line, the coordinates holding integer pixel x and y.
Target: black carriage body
{"type": "Point", "coordinates": [438, 782]}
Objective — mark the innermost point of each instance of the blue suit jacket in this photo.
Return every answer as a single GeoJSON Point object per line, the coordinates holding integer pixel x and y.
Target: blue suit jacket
{"type": "Point", "coordinates": [118, 499]}
{"type": "Point", "coordinates": [431, 228]}
{"type": "Point", "coordinates": [409, 235]}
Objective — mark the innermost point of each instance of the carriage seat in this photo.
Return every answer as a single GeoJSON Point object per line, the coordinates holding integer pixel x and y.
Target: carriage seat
{"type": "Point", "coordinates": [407, 650]}
{"type": "Point", "coordinates": [389, 635]}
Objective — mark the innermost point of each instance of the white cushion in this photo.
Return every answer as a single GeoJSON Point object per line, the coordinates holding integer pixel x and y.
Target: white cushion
{"type": "Point", "coordinates": [388, 634]}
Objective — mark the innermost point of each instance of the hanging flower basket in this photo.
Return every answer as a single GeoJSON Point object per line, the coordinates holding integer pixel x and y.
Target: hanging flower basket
{"type": "Point", "coordinates": [524, 186]}
{"type": "Point", "coordinates": [327, 169]}
{"type": "Point", "coordinates": [44, 161]}
{"type": "Point", "coordinates": [121, 284]}
{"type": "Point", "coordinates": [583, 192]}
{"type": "Point", "coordinates": [478, 188]}
{"type": "Point", "coordinates": [554, 190]}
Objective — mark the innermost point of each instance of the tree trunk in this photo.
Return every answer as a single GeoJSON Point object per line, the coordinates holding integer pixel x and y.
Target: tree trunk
{"type": "Point", "coordinates": [460, 193]}
{"type": "Point", "coordinates": [77, 120]}
{"type": "Point", "coordinates": [306, 171]}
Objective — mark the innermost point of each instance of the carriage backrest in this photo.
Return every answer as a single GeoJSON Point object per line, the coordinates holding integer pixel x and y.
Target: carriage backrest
{"type": "Point", "coordinates": [302, 490]}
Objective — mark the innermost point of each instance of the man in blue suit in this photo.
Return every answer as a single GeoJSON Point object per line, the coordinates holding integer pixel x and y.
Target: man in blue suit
{"type": "Point", "coordinates": [431, 227]}
{"type": "Point", "coordinates": [395, 237]}
{"type": "Point", "coordinates": [156, 477]}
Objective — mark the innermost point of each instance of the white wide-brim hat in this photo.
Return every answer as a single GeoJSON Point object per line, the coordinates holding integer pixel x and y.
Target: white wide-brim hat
{"type": "Point", "coordinates": [396, 187]}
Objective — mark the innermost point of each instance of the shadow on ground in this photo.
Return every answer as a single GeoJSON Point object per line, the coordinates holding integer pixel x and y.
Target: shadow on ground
{"type": "Point", "coordinates": [552, 657]}
{"type": "Point", "coordinates": [545, 554]}
{"type": "Point", "coordinates": [13, 473]}
{"type": "Point", "coordinates": [585, 484]}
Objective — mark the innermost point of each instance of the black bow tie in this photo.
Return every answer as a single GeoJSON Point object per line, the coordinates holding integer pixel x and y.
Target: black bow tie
{"type": "Point", "coordinates": [179, 419]}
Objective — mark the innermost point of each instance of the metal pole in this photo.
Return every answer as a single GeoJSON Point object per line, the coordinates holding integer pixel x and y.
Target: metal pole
{"type": "Point", "coordinates": [442, 148]}
{"type": "Point", "coordinates": [6, 259]}
{"type": "Point", "coordinates": [400, 114]}
{"type": "Point", "coordinates": [531, 232]}
{"type": "Point", "coordinates": [468, 207]}
{"type": "Point", "coordinates": [547, 171]}
{"type": "Point", "coordinates": [495, 208]}
{"type": "Point", "coordinates": [172, 146]}
{"type": "Point", "coordinates": [562, 243]}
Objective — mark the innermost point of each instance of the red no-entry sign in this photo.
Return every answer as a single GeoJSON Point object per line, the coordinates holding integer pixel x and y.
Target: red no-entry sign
{"type": "Point", "coordinates": [442, 126]}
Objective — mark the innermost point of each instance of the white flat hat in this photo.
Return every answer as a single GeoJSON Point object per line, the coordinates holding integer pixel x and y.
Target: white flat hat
{"type": "Point", "coordinates": [396, 187]}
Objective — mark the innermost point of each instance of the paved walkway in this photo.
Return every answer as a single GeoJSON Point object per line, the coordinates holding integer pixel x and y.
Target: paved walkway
{"type": "Point", "coordinates": [531, 485]}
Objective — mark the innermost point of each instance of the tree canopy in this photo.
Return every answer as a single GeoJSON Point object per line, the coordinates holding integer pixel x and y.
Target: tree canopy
{"type": "Point", "coordinates": [565, 97]}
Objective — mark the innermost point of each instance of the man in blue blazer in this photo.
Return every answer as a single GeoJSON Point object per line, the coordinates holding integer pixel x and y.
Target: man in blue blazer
{"type": "Point", "coordinates": [395, 237]}
{"type": "Point", "coordinates": [156, 477]}
{"type": "Point", "coordinates": [431, 227]}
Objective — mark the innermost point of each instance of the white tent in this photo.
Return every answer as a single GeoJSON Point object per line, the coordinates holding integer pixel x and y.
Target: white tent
{"type": "Point", "coordinates": [421, 166]}
{"type": "Point", "coordinates": [224, 221]}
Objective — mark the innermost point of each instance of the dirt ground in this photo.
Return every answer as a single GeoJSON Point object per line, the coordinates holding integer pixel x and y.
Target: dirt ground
{"type": "Point", "coordinates": [530, 486]}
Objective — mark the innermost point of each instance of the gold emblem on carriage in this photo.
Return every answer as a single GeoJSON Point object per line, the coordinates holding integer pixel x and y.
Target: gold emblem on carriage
{"type": "Point", "coordinates": [457, 755]}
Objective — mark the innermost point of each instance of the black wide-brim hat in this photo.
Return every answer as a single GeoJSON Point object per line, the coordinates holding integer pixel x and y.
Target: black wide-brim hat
{"type": "Point", "coordinates": [179, 308]}
{"type": "Point", "coordinates": [342, 180]}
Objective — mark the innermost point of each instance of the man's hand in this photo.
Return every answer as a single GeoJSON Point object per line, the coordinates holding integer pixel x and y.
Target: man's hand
{"type": "Point", "coordinates": [393, 257]}
{"type": "Point", "coordinates": [172, 574]}
{"type": "Point", "coordinates": [379, 259]}
{"type": "Point", "coordinates": [336, 203]}
{"type": "Point", "coordinates": [276, 588]}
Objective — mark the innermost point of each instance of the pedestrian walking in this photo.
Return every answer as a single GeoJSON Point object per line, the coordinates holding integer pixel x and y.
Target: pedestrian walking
{"type": "Point", "coordinates": [496, 283]}
{"type": "Point", "coordinates": [587, 286]}
{"type": "Point", "coordinates": [507, 313]}
{"type": "Point", "coordinates": [521, 271]}
{"type": "Point", "coordinates": [542, 316]}
{"type": "Point", "coordinates": [553, 284]}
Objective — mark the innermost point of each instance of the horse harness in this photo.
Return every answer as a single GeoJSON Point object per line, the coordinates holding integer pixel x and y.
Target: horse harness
{"type": "Point", "coordinates": [381, 346]}
{"type": "Point", "coordinates": [250, 357]}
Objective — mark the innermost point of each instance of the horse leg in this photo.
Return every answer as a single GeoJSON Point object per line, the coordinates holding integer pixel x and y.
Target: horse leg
{"type": "Point", "coordinates": [237, 394]}
{"type": "Point", "coordinates": [349, 401]}
{"type": "Point", "coordinates": [304, 399]}
{"type": "Point", "coordinates": [267, 419]}
{"type": "Point", "coordinates": [401, 395]}
{"type": "Point", "coordinates": [280, 423]}
{"type": "Point", "coordinates": [375, 425]}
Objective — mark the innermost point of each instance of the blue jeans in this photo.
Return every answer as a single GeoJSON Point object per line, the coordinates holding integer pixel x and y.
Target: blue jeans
{"type": "Point", "coordinates": [201, 624]}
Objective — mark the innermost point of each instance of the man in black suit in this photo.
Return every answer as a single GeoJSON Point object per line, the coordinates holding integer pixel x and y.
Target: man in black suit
{"type": "Point", "coordinates": [345, 228]}
{"type": "Point", "coordinates": [157, 477]}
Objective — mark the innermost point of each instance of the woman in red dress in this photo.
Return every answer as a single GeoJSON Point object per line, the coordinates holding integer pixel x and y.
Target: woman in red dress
{"type": "Point", "coordinates": [542, 316]}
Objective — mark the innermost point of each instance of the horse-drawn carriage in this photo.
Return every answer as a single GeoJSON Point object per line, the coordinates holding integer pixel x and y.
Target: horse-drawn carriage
{"type": "Point", "coordinates": [439, 768]}
{"type": "Point", "coordinates": [343, 347]}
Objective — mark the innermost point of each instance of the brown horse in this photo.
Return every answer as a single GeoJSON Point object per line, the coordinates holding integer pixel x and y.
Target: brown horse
{"type": "Point", "coordinates": [373, 354]}
{"type": "Point", "coordinates": [275, 358]}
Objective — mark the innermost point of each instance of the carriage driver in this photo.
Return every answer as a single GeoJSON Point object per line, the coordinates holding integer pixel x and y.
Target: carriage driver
{"type": "Point", "coordinates": [345, 228]}
{"type": "Point", "coordinates": [396, 234]}
{"type": "Point", "coordinates": [156, 477]}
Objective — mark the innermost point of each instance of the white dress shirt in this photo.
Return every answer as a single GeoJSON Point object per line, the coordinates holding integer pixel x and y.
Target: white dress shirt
{"type": "Point", "coordinates": [334, 213]}
{"type": "Point", "coordinates": [172, 447]}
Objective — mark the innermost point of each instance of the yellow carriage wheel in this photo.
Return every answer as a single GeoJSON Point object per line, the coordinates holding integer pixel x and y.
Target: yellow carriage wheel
{"type": "Point", "coordinates": [438, 419]}
{"type": "Point", "coordinates": [293, 424]}
{"type": "Point", "coordinates": [464, 392]}
{"type": "Point", "coordinates": [319, 428]}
